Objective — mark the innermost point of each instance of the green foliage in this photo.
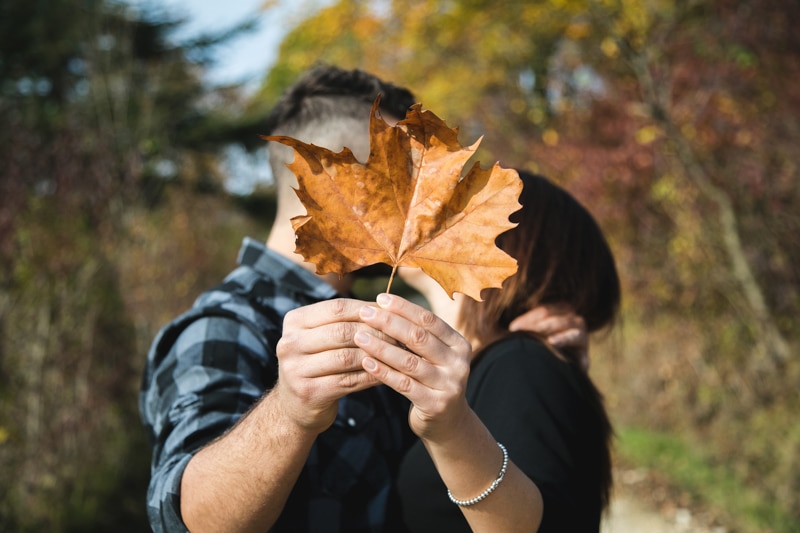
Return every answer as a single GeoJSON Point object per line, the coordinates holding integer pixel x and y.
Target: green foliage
{"type": "Point", "coordinates": [67, 344]}
{"type": "Point", "coordinates": [694, 467]}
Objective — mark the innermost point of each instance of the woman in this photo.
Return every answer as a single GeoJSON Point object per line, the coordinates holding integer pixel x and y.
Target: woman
{"type": "Point", "coordinates": [512, 432]}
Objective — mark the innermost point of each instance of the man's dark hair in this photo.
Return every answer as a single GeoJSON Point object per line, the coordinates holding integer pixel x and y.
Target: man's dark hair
{"type": "Point", "coordinates": [331, 81]}
{"type": "Point", "coordinates": [329, 107]}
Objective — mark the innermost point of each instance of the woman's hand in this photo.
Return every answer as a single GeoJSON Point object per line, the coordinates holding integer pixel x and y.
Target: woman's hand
{"type": "Point", "coordinates": [432, 372]}
{"type": "Point", "coordinates": [430, 368]}
{"type": "Point", "coordinates": [560, 325]}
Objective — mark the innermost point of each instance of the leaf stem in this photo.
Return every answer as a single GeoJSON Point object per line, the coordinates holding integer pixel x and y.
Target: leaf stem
{"type": "Point", "coordinates": [391, 278]}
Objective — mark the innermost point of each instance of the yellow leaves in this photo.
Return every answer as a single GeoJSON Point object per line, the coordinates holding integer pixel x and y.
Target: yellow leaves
{"type": "Point", "coordinates": [743, 138]}
{"type": "Point", "coordinates": [578, 29]}
{"type": "Point", "coordinates": [408, 205]}
{"type": "Point", "coordinates": [550, 137]}
{"type": "Point", "coordinates": [648, 134]}
{"type": "Point", "coordinates": [610, 48]}
{"type": "Point", "coordinates": [634, 19]}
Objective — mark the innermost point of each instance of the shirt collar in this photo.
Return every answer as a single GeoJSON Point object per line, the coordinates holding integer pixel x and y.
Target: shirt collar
{"type": "Point", "coordinates": [271, 264]}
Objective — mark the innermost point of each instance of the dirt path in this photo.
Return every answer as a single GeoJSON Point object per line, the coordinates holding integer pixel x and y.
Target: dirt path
{"type": "Point", "coordinates": [630, 516]}
{"type": "Point", "coordinates": [640, 505]}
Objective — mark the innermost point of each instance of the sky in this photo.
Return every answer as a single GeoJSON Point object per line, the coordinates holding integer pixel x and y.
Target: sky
{"type": "Point", "coordinates": [242, 60]}
{"type": "Point", "coordinates": [246, 58]}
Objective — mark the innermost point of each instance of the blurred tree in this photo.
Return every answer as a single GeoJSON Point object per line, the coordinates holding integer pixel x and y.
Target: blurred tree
{"type": "Point", "coordinates": [101, 112]}
{"type": "Point", "coordinates": [714, 102]}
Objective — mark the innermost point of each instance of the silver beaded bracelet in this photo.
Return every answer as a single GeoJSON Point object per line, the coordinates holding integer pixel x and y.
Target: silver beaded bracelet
{"type": "Point", "coordinates": [492, 487]}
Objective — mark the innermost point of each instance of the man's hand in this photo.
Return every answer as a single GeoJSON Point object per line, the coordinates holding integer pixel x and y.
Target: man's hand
{"type": "Point", "coordinates": [319, 362]}
{"type": "Point", "coordinates": [241, 481]}
{"type": "Point", "coordinates": [559, 324]}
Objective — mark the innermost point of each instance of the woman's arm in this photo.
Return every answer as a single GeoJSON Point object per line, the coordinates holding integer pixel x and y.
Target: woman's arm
{"type": "Point", "coordinates": [432, 372]}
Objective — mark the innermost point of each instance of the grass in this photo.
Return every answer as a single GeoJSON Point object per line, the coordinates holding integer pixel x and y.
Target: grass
{"type": "Point", "coordinates": [689, 468]}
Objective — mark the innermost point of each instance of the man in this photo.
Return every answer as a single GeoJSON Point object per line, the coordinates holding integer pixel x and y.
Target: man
{"type": "Point", "coordinates": [241, 443]}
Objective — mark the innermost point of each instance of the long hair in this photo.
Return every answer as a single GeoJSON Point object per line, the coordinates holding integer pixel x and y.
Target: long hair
{"type": "Point", "coordinates": [563, 257]}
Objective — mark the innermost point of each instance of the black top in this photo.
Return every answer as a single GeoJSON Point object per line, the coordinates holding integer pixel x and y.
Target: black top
{"type": "Point", "coordinates": [542, 409]}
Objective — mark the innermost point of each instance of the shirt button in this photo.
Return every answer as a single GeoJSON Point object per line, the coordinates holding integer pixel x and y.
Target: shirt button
{"type": "Point", "coordinates": [351, 422]}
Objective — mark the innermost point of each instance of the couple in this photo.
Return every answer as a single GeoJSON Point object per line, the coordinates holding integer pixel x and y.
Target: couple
{"type": "Point", "coordinates": [490, 430]}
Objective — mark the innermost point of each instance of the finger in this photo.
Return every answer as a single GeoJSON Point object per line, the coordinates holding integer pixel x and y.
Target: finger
{"type": "Point", "coordinates": [422, 325]}
{"type": "Point", "coordinates": [321, 313]}
{"type": "Point", "coordinates": [402, 383]}
{"type": "Point", "coordinates": [320, 338]}
{"type": "Point", "coordinates": [413, 338]}
{"type": "Point", "coordinates": [571, 338]}
{"type": "Point", "coordinates": [527, 321]}
{"type": "Point", "coordinates": [348, 382]}
{"type": "Point", "coordinates": [328, 363]}
{"type": "Point", "coordinates": [328, 388]}
{"type": "Point", "coordinates": [397, 358]}
{"type": "Point", "coordinates": [544, 314]}
{"type": "Point", "coordinates": [430, 403]}
{"type": "Point", "coordinates": [546, 324]}
{"type": "Point", "coordinates": [439, 367]}
{"type": "Point", "coordinates": [556, 308]}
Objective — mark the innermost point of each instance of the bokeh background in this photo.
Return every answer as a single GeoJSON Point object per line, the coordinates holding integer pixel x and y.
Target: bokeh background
{"type": "Point", "coordinates": [129, 175]}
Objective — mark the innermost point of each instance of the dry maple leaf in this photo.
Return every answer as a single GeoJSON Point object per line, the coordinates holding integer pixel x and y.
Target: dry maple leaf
{"type": "Point", "coordinates": [406, 206]}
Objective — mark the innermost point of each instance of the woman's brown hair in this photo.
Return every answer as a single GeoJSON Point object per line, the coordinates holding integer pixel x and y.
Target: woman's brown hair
{"type": "Point", "coordinates": [563, 257]}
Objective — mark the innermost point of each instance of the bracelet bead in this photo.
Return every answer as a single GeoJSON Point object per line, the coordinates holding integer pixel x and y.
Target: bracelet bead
{"type": "Point", "coordinates": [492, 487]}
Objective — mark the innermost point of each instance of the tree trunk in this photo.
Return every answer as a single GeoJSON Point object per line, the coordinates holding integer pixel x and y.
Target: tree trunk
{"type": "Point", "coordinates": [773, 347]}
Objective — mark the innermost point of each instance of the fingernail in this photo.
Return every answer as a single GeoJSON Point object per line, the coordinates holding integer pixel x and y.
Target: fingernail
{"type": "Point", "coordinates": [383, 299]}
{"type": "Point", "coordinates": [369, 364]}
{"type": "Point", "coordinates": [367, 311]}
{"type": "Point", "coordinates": [361, 338]}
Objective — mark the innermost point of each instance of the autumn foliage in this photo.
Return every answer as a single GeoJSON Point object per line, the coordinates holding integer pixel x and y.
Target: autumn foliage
{"type": "Point", "coordinates": [675, 123]}
{"type": "Point", "coordinates": [408, 205]}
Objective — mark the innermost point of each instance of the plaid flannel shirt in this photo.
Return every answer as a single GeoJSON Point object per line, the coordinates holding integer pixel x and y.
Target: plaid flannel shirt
{"type": "Point", "coordinates": [210, 365]}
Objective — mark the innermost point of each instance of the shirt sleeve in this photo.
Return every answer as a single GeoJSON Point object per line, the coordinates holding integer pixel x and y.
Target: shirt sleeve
{"type": "Point", "coordinates": [212, 374]}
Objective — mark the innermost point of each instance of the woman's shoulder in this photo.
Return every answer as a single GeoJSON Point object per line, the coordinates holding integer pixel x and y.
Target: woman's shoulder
{"type": "Point", "coordinates": [522, 366]}
{"type": "Point", "coordinates": [521, 351]}
{"type": "Point", "coordinates": [519, 380]}
{"type": "Point", "coordinates": [520, 389]}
